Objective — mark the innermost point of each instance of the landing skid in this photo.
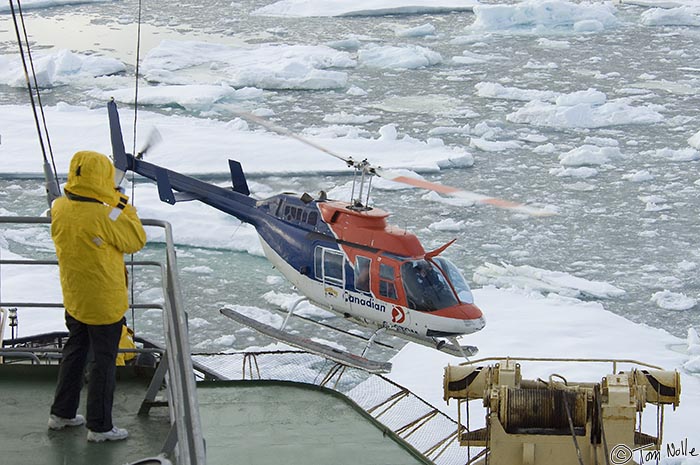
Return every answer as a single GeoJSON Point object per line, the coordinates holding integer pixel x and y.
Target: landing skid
{"type": "Point", "coordinates": [308, 345]}
{"type": "Point", "coordinates": [290, 312]}
{"type": "Point", "coordinates": [448, 345]}
{"type": "Point", "coordinates": [452, 347]}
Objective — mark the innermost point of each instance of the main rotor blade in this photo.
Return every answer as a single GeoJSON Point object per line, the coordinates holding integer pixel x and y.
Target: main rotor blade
{"type": "Point", "coordinates": [433, 186]}
{"type": "Point", "coordinates": [286, 132]}
{"type": "Point", "coordinates": [462, 194]}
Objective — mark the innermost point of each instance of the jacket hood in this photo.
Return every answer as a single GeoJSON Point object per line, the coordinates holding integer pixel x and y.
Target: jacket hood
{"type": "Point", "coordinates": [91, 174]}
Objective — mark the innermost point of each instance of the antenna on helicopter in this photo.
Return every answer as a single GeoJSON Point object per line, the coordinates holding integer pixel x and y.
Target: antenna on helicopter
{"type": "Point", "coordinates": [366, 170]}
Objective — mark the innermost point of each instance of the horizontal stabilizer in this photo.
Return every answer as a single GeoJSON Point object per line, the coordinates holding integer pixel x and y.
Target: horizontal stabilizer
{"type": "Point", "coordinates": [331, 353]}
{"type": "Point", "coordinates": [165, 190]}
{"type": "Point", "coordinates": [186, 197]}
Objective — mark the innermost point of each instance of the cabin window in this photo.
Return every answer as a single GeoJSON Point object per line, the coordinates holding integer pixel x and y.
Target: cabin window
{"type": "Point", "coordinates": [362, 265]}
{"type": "Point", "coordinates": [329, 265]}
{"type": "Point", "coordinates": [386, 281]}
{"type": "Point", "coordinates": [318, 262]}
{"type": "Point", "coordinates": [298, 215]}
{"type": "Point", "coordinates": [279, 207]}
{"type": "Point", "coordinates": [313, 218]}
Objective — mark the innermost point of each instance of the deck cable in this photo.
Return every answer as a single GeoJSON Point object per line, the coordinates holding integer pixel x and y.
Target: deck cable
{"type": "Point", "coordinates": [133, 149]}
{"type": "Point", "coordinates": [52, 184]}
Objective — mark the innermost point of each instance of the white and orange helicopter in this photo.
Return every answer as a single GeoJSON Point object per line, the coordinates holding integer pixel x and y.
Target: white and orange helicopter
{"type": "Point", "coordinates": [341, 256]}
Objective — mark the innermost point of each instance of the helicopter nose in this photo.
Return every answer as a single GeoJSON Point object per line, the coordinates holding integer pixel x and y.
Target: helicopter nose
{"type": "Point", "coordinates": [473, 317]}
{"type": "Point", "coordinates": [471, 312]}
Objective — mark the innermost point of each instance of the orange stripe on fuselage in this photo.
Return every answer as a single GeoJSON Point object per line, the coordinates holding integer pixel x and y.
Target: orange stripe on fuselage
{"type": "Point", "coordinates": [369, 229]}
{"type": "Point", "coordinates": [460, 312]}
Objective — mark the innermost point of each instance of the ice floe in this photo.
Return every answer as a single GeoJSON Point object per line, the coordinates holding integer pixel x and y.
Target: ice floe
{"type": "Point", "coordinates": [40, 4]}
{"type": "Point", "coordinates": [673, 300]}
{"type": "Point", "coordinates": [679, 16]}
{"type": "Point", "coordinates": [191, 97]}
{"type": "Point", "coordinates": [306, 8]}
{"type": "Point", "coordinates": [589, 155]}
{"type": "Point", "coordinates": [393, 57]}
{"type": "Point", "coordinates": [58, 68]}
{"type": "Point", "coordinates": [544, 281]}
{"type": "Point", "coordinates": [545, 17]}
{"type": "Point", "coordinates": [583, 109]}
{"type": "Point", "coordinates": [75, 128]}
{"type": "Point", "coordinates": [266, 66]}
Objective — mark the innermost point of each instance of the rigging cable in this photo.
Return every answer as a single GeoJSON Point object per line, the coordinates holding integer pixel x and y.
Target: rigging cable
{"type": "Point", "coordinates": [133, 149]}
{"type": "Point", "coordinates": [52, 185]}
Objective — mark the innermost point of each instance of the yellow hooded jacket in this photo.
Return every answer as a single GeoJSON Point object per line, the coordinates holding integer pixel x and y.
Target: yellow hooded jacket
{"type": "Point", "coordinates": [92, 227]}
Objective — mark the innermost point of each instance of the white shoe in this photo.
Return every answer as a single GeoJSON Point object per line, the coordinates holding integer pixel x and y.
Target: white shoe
{"type": "Point", "coordinates": [56, 422]}
{"type": "Point", "coordinates": [115, 434]}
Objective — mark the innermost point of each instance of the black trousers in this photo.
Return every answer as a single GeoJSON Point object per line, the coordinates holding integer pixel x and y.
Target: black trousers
{"type": "Point", "coordinates": [102, 342]}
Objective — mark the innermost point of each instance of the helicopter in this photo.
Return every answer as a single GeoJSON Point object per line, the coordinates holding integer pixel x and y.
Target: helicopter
{"type": "Point", "coordinates": [341, 256]}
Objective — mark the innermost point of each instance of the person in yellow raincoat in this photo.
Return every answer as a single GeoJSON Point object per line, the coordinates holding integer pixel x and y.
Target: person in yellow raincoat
{"type": "Point", "coordinates": [92, 227]}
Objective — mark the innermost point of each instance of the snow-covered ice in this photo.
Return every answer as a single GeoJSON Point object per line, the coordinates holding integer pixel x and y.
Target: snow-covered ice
{"type": "Point", "coordinates": [544, 281]}
{"type": "Point", "coordinates": [544, 16]}
{"type": "Point", "coordinates": [58, 68]}
{"type": "Point", "coordinates": [258, 151]}
{"type": "Point", "coordinates": [304, 8]}
{"type": "Point", "coordinates": [404, 57]}
{"type": "Point", "coordinates": [268, 66]}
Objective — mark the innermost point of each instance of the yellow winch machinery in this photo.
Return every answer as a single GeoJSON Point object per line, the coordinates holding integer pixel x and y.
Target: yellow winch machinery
{"type": "Point", "coordinates": [555, 421]}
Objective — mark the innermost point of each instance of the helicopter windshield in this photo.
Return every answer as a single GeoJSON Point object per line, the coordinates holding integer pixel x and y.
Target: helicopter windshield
{"type": "Point", "coordinates": [426, 286]}
{"type": "Point", "coordinates": [458, 282]}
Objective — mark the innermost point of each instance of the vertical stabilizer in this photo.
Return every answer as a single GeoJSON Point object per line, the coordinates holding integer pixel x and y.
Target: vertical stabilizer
{"type": "Point", "coordinates": [118, 152]}
{"type": "Point", "coordinates": [240, 185]}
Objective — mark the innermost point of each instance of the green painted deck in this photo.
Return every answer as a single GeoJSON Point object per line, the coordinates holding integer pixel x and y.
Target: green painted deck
{"type": "Point", "coordinates": [244, 422]}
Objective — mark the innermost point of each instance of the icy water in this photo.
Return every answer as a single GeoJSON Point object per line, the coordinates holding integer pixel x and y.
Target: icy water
{"type": "Point", "coordinates": [607, 228]}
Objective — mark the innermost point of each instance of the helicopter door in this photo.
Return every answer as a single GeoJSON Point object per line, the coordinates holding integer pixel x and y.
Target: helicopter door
{"type": "Point", "coordinates": [387, 275]}
{"type": "Point", "coordinates": [329, 266]}
{"type": "Point", "coordinates": [396, 314]}
{"type": "Point", "coordinates": [362, 267]}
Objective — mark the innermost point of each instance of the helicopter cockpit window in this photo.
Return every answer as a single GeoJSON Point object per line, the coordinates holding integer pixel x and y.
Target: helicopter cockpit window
{"type": "Point", "coordinates": [426, 287]}
{"type": "Point", "coordinates": [386, 281]}
{"type": "Point", "coordinates": [458, 282]}
{"type": "Point", "coordinates": [362, 273]}
{"type": "Point", "coordinates": [329, 265]}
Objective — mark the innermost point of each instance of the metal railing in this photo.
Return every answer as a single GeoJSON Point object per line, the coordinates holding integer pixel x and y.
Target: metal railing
{"type": "Point", "coordinates": [183, 403]}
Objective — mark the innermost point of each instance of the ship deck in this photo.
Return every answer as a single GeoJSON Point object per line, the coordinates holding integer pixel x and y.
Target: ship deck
{"type": "Point", "coordinates": [243, 422]}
